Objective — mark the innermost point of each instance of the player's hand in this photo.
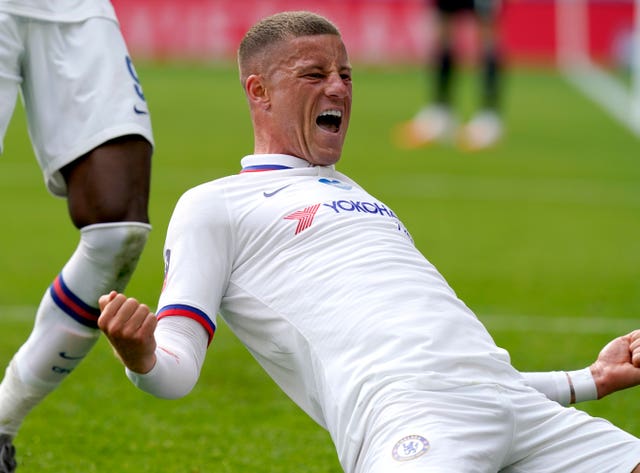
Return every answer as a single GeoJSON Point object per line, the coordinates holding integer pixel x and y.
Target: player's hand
{"type": "Point", "coordinates": [129, 326]}
{"type": "Point", "coordinates": [618, 364]}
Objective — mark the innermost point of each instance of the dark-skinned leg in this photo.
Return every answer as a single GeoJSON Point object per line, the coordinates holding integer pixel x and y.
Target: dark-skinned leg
{"type": "Point", "coordinates": [108, 191]}
{"type": "Point", "coordinates": [110, 184]}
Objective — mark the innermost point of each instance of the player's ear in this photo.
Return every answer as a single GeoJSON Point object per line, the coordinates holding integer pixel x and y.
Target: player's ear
{"type": "Point", "coordinates": [256, 91]}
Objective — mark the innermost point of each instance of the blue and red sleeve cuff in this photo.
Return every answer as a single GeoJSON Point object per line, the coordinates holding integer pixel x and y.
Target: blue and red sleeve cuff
{"type": "Point", "coordinates": [183, 310]}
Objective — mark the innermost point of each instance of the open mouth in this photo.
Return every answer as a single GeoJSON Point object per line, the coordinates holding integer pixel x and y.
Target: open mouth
{"type": "Point", "coordinates": [330, 120]}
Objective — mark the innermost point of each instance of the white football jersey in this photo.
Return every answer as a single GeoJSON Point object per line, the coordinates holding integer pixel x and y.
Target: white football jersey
{"type": "Point", "coordinates": [59, 10]}
{"type": "Point", "coordinates": [323, 284]}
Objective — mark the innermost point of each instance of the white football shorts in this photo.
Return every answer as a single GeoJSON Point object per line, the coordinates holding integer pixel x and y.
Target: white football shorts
{"type": "Point", "coordinates": [79, 88]}
{"type": "Point", "coordinates": [491, 429]}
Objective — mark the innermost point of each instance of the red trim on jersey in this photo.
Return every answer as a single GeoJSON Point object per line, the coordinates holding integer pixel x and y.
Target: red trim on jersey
{"type": "Point", "coordinates": [180, 310]}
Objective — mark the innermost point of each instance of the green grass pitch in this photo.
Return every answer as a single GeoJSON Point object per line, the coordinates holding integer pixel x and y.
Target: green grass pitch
{"type": "Point", "coordinates": [539, 236]}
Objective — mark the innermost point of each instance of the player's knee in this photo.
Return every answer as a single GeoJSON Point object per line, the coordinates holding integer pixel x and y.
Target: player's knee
{"type": "Point", "coordinates": [132, 207]}
{"type": "Point", "coordinates": [115, 248]}
{"type": "Point", "coordinates": [110, 211]}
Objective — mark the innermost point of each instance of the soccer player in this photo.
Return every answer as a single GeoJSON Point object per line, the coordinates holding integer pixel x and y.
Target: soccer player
{"type": "Point", "coordinates": [323, 284]}
{"type": "Point", "coordinates": [89, 125]}
{"type": "Point", "coordinates": [437, 121]}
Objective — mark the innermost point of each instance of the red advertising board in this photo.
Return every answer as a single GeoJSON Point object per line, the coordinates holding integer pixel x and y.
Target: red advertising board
{"type": "Point", "coordinates": [375, 31]}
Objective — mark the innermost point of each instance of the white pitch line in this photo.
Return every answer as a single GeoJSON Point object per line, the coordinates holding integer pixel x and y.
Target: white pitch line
{"type": "Point", "coordinates": [513, 323]}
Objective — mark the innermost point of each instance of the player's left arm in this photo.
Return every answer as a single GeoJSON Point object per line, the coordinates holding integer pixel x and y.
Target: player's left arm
{"type": "Point", "coordinates": [617, 367]}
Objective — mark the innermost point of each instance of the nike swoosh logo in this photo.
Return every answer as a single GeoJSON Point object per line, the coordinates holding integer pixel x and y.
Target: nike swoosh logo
{"type": "Point", "coordinates": [63, 354]}
{"type": "Point", "coordinates": [271, 194]}
{"type": "Point", "coordinates": [139, 111]}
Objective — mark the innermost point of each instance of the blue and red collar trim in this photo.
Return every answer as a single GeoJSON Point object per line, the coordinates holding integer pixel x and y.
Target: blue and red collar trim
{"type": "Point", "coordinates": [264, 167]}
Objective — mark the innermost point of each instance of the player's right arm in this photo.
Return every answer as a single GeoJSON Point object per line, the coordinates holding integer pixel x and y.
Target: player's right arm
{"type": "Point", "coordinates": [164, 354]}
{"type": "Point", "coordinates": [130, 328]}
{"type": "Point", "coordinates": [162, 358]}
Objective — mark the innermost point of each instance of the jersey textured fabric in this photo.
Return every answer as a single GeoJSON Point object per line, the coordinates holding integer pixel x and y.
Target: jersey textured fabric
{"type": "Point", "coordinates": [59, 10]}
{"type": "Point", "coordinates": [357, 309]}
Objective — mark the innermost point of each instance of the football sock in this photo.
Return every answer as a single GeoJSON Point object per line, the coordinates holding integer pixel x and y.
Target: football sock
{"type": "Point", "coordinates": [444, 76]}
{"type": "Point", "coordinates": [491, 79]}
{"type": "Point", "coordinates": [66, 328]}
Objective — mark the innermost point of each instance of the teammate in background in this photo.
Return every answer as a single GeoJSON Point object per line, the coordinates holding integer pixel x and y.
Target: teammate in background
{"type": "Point", "coordinates": [437, 122]}
{"type": "Point", "coordinates": [323, 284]}
{"type": "Point", "coordinates": [89, 126]}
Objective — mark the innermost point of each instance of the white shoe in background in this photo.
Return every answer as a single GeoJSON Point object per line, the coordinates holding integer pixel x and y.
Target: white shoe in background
{"type": "Point", "coordinates": [432, 124]}
{"type": "Point", "coordinates": [483, 131]}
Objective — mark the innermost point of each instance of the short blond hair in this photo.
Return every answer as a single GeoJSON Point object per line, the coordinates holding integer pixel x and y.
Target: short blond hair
{"type": "Point", "coordinates": [279, 27]}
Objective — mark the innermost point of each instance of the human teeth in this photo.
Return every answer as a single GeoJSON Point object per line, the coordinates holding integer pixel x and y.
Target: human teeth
{"type": "Point", "coordinates": [330, 120]}
{"type": "Point", "coordinates": [332, 113]}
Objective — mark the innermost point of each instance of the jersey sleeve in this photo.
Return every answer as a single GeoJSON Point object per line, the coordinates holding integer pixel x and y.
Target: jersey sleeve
{"type": "Point", "coordinates": [180, 352]}
{"type": "Point", "coordinates": [564, 387]}
{"type": "Point", "coordinates": [198, 256]}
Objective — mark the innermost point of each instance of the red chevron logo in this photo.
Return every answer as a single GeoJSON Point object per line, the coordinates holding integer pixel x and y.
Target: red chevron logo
{"type": "Point", "coordinates": [304, 217]}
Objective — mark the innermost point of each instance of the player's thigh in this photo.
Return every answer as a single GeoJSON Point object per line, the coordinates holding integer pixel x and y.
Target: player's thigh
{"type": "Point", "coordinates": [80, 90]}
{"type": "Point", "coordinates": [458, 430]}
{"type": "Point", "coordinates": [554, 439]}
{"type": "Point", "coordinates": [11, 48]}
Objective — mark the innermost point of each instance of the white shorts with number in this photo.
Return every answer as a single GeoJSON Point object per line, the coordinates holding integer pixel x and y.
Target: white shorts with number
{"type": "Point", "coordinates": [491, 429]}
{"type": "Point", "coordinates": [78, 84]}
